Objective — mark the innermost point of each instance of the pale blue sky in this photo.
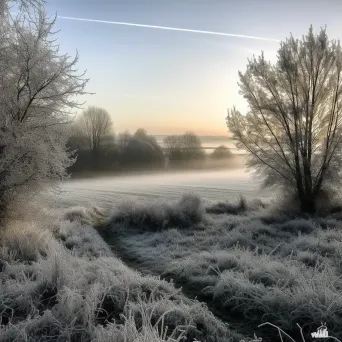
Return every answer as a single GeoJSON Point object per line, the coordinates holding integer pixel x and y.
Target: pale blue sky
{"type": "Point", "coordinates": [171, 81]}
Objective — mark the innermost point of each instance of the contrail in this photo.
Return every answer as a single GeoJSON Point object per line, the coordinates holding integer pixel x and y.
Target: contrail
{"type": "Point", "coordinates": [170, 28]}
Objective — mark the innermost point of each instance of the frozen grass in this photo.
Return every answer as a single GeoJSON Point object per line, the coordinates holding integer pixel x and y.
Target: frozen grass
{"type": "Point", "coordinates": [237, 208]}
{"type": "Point", "coordinates": [61, 282]}
{"type": "Point", "coordinates": [185, 213]}
{"type": "Point", "coordinates": [85, 216]}
{"type": "Point", "coordinates": [253, 264]}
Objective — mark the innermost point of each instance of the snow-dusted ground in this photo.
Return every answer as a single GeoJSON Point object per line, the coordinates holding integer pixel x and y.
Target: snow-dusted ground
{"type": "Point", "coordinates": [209, 185]}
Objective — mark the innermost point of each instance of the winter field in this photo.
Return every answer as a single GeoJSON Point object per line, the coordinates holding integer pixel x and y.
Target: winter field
{"type": "Point", "coordinates": [209, 185]}
{"type": "Point", "coordinates": [250, 263]}
{"type": "Point", "coordinates": [160, 257]}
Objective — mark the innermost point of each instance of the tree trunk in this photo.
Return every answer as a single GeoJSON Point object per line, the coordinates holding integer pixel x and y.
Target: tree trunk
{"type": "Point", "coordinates": [95, 160]}
{"type": "Point", "coordinates": [308, 204]}
{"type": "Point", "coordinates": [2, 212]}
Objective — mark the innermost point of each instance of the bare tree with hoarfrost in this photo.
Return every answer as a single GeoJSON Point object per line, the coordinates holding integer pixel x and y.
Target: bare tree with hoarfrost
{"type": "Point", "coordinates": [38, 89]}
{"type": "Point", "coordinates": [293, 129]}
{"type": "Point", "coordinates": [183, 147]}
{"type": "Point", "coordinates": [94, 124]}
{"type": "Point", "coordinates": [123, 140]}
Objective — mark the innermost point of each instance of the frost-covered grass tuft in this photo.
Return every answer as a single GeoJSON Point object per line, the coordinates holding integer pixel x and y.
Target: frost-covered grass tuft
{"type": "Point", "coordinates": [304, 226]}
{"type": "Point", "coordinates": [28, 245]}
{"type": "Point", "coordinates": [158, 216]}
{"type": "Point", "coordinates": [229, 208]}
{"type": "Point", "coordinates": [93, 216]}
{"type": "Point", "coordinates": [240, 207]}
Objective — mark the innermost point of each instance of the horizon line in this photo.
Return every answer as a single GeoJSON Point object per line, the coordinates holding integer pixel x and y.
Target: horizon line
{"type": "Point", "coordinates": [170, 28]}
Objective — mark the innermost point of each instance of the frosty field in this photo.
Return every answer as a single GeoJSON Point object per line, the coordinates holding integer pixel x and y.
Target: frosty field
{"type": "Point", "coordinates": [209, 185]}
{"type": "Point", "coordinates": [171, 255]}
{"type": "Point", "coordinates": [249, 263]}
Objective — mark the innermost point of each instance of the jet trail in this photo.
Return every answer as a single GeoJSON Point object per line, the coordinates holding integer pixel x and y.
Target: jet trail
{"type": "Point", "coordinates": [170, 28]}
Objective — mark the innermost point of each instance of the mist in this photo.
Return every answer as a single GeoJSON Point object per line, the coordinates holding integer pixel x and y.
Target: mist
{"type": "Point", "coordinates": [211, 185]}
{"type": "Point", "coordinates": [141, 153]}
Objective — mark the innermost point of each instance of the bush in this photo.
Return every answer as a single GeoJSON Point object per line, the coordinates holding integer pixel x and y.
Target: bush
{"type": "Point", "coordinates": [155, 217]}
{"type": "Point", "coordinates": [229, 208]}
{"type": "Point", "coordinates": [187, 212]}
{"type": "Point", "coordinates": [26, 247]}
{"type": "Point", "coordinates": [93, 216]}
{"type": "Point", "coordinates": [221, 152]}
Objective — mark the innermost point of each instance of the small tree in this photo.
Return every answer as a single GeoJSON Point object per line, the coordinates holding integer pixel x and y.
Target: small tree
{"type": "Point", "coordinates": [192, 146]}
{"type": "Point", "coordinates": [141, 133]}
{"type": "Point", "coordinates": [94, 125]}
{"type": "Point", "coordinates": [293, 128]}
{"type": "Point", "coordinates": [123, 140]}
{"type": "Point", "coordinates": [186, 147]}
{"type": "Point", "coordinates": [173, 147]}
{"type": "Point", "coordinates": [140, 150]}
{"type": "Point", "coordinates": [142, 154]}
{"type": "Point", "coordinates": [38, 86]}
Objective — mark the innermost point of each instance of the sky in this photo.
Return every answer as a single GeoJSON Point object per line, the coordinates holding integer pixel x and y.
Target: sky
{"type": "Point", "coordinates": [172, 81]}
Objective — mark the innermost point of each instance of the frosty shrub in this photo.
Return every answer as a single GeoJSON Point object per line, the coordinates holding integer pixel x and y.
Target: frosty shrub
{"type": "Point", "coordinates": [91, 216]}
{"type": "Point", "coordinates": [29, 246]}
{"type": "Point", "coordinates": [187, 212]}
{"type": "Point", "coordinates": [230, 208]}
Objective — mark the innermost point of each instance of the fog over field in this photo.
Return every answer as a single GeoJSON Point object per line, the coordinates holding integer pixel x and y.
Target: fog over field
{"type": "Point", "coordinates": [209, 143]}
{"type": "Point", "coordinates": [215, 185]}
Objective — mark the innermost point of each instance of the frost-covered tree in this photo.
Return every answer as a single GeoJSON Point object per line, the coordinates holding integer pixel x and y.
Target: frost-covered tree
{"type": "Point", "coordinates": [192, 146]}
{"type": "Point", "coordinates": [183, 147]}
{"type": "Point", "coordinates": [293, 128]}
{"type": "Point", "coordinates": [38, 89]}
{"type": "Point", "coordinates": [141, 133]}
{"type": "Point", "coordinates": [94, 125]}
{"type": "Point", "coordinates": [123, 139]}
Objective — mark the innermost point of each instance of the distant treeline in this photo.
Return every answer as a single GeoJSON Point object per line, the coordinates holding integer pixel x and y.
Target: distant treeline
{"type": "Point", "coordinates": [97, 148]}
